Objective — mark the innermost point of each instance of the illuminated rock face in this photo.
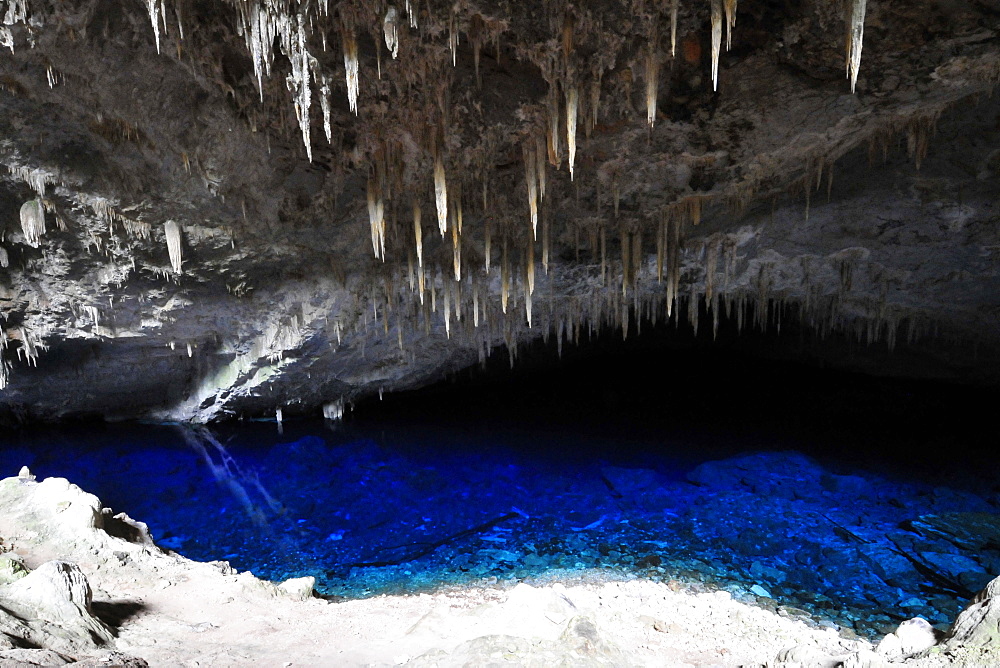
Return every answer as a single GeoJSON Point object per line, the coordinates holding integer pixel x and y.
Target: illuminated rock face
{"type": "Point", "coordinates": [287, 158]}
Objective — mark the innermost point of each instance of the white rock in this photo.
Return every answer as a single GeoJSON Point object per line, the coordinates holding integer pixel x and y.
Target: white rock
{"type": "Point", "coordinates": [806, 655]}
{"type": "Point", "coordinates": [865, 658]}
{"type": "Point", "coordinates": [979, 624]}
{"type": "Point", "coordinates": [299, 588]}
{"type": "Point", "coordinates": [890, 646]}
{"type": "Point", "coordinates": [54, 602]}
{"type": "Point", "coordinates": [916, 635]}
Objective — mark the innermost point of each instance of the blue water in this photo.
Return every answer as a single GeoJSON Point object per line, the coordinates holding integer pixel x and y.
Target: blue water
{"type": "Point", "coordinates": [413, 508]}
{"type": "Point", "coordinates": [805, 494]}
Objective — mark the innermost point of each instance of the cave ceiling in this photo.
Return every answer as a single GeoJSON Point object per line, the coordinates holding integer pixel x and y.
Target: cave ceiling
{"type": "Point", "coordinates": [219, 208]}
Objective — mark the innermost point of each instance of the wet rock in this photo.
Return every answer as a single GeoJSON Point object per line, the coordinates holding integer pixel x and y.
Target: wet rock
{"type": "Point", "coordinates": [785, 475]}
{"type": "Point", "coordinates": [855, 486]}
{"type": "Point", "coordinates": [957, 568]}
{"type": "Point", "coordinates": [968, 531]}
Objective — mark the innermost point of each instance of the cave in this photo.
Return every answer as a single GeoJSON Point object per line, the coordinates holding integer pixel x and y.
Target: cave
{"type": "Point", "coordinates": [399, 299]}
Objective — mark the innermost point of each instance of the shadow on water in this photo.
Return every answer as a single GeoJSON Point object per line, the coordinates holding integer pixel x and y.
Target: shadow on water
{"type": "Point", "coordinates": [774, 481]}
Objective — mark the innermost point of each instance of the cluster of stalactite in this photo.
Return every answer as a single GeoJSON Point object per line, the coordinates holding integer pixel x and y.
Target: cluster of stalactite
{"type": "Point", "coordinates": [622, 293]}
{"type": "Point", "coordinates": [420, 151]}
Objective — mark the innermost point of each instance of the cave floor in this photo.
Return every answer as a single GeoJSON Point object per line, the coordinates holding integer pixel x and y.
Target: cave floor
{"type": "Point", "coordinates": [387, 509]}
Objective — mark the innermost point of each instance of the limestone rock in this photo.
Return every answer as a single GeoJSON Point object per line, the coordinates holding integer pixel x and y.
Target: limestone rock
{"type": "Point", "coordinates": [299, 588]}
{"type": "Point", "coordinates": [915, 635]}
{"type": "Point", "coordinates": [18, 658]}
{"type": "Point", "coordinates": [53, 603]}
{"type": "Point", "coordinates": [805, 655]}
{"type": "Point", "coordinates": [11, 569]}
{"type": "Point", "coordinates": [979, 624]}
{"type": "Point", "coordinates": [865, 658]}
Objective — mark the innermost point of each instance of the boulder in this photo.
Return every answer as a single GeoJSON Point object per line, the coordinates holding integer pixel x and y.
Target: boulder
{"type": "Point", "coordinates": [978, 625]}
{"type": "Point", "coordinates": [50, 608]}
{"type": "Point", "coordinates": [915, 635]}
{"type": "Point", "coordinates": [298, 588]}
{"type": "Point", "coordinates": [11, 569]}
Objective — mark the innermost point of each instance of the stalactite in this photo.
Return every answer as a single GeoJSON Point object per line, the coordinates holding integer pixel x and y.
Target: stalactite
{"type": "Point", "coordinates": [33, 221]}
{"type": "Point", "coordinates": [475, 303]}
{"type": "Point", "coordinates": [390, 29]}
{"type": "Point", "coordinates": [351, 68]}
{"type": "Point", "coordinates": [595, 102]}
{"type": "Point", "coordinates": [730, 6]}
{"type": "Point", "coordinates": [456, 244]}
{"type": "Point", "coordinates": [527, 306]}
{"type": "Point", "coordinates": [440, 192]}
{"type": "Point", "coordinates": [412, 15]}
{"type": "Point", "coordinates": [173, 233]}
{"type": "Point", "coordinates": [418, 233]}
{"type": "Point", "coordinates": [674, 6]}
{"type": "Point", "coordinates": [504, 277]}
{"type": "Point", "coordinates": [487, 246]}
{"type": "Point", "coordinates": [420, 283]}
{"type": "Point", "coordinates": [376, 217]}
{"type": "Point", "coordinates": [153, 7]}
{"type": "Point", "coordinates": [555, 154]}
{"type": "Point", "coordinates": [711, 264]}
{"type": "Point", "coordinates": [476, 32]}
{"type": "Point", "coordinates": [531, 181]}
{"type": "Point", "coordinates": [324, 103]}
{"type": "Point", "coordinates": [626, 241]}
{"type": "Point", "coordinates": [694, 209]}
{"type": "Point", "coordinates": [716, 41]}
{"type": "Point", "coordinates": [540, 165]}
{"type": "Point", "coordinates": [673, 263]}
{"type": "Point", "coordinates": [453, 38]}
{"type": "Point", "coordinates": [855, 35]}
{"type": "Point", "coordinates": [530, 267]}
{"type": "Point", "coordinates": [572, 104]}
{"type": "Point", "coordinates": [447, 309]}
{"type": "Point", "coordinates": [652, 81]}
